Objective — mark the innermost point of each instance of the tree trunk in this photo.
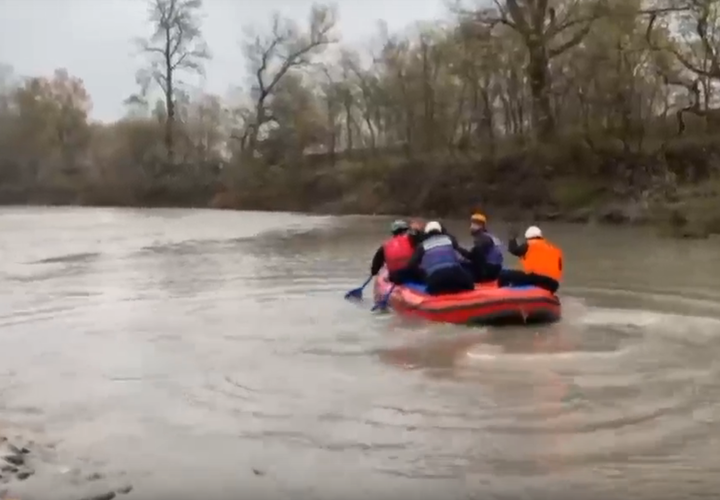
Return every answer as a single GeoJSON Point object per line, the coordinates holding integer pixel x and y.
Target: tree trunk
{"type": "Point", "coordinates": [537, 71]}
{"type": "Point", "coordinates": [169, 101]}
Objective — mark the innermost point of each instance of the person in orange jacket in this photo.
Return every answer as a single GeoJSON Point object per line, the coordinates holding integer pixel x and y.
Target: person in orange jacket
{"type": "Point", "coordinates": [542, 262]}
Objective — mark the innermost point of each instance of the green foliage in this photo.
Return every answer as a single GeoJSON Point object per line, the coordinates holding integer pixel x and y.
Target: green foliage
{"type": "Point", "coordinates": [575, 192]}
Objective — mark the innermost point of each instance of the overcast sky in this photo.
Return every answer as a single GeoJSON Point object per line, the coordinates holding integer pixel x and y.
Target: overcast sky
{"type": "Point", "coordinates": [92, 38]}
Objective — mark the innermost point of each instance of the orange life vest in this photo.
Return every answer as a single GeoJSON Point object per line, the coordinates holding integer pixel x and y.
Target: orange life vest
{"type": "Point", "coordinates": [398, 251]}
{"type": "Point", "coordinates": [543, 258]}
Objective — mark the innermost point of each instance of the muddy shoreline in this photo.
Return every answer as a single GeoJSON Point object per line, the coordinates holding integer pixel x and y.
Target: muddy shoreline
{"type": "Point", "coordinates": [629, 213]}
{"type": "Point", "coordinates": [30, 470]}
{"type": "Point", "coordinates": [691, 216]}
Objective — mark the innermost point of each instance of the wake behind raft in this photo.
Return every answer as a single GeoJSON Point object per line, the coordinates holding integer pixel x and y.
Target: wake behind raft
{"type": "Point", "coordinates": [488, 304]}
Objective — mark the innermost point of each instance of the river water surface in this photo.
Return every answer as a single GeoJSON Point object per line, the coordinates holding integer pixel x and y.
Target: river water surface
{"type": "Point", "coordinates": [204, 354]}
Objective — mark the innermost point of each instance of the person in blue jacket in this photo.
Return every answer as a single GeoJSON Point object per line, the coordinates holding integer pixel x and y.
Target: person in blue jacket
{"type": "Point", "coordinates": [438, 256]}
{"type": "Point", "coordinates": [485, 256]}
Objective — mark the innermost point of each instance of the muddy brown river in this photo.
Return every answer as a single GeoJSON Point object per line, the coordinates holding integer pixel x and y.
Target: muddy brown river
{"type": "Point", "coordinates": [210, 355]}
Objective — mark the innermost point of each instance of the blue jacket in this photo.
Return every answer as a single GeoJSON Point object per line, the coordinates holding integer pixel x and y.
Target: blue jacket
{"type": "Point", "coordinates": [486, 250]}
{"type": "Point", "coordinates": [495, 254]}
{"type": "Point", "coordinates": [438, 252]}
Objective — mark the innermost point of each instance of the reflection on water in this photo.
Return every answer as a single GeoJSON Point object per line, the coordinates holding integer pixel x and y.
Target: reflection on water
{"type": "Point", "coordinates": [205, 353]}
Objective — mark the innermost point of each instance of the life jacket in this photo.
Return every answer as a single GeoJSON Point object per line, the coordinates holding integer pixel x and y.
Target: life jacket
{"type": "Point", "coordinates": [495, 255]}
{"type": "Point", "coordinates": [439, 253]}
{"type": "Point", "coordinates": [543, 258]}
{"type": "Point", "coordinates": [398, 251]}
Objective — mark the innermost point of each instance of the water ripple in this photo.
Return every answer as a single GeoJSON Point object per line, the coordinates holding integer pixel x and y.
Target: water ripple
{"type": "Point", "coordinates": [182, 347]}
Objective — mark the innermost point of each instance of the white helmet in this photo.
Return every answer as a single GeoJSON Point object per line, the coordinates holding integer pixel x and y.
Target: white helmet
{"type": "Point", "coordinates": [533, 232]}
{"type": "Point", "coordinates": [433, 226]}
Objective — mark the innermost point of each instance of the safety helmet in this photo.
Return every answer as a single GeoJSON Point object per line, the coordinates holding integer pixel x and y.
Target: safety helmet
{"type": "Point", "coordinates": [533, 232]}
{"type": "Point", "coordinates": [399, 226]}
{"type": "Point", "coordinates": [433, 226]}
{"type": "Point", "coordinates": [478, 218]}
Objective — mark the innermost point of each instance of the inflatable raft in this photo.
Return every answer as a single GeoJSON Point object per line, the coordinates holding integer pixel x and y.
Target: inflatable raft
{"type": "Point", "coordinates": [487, 304]}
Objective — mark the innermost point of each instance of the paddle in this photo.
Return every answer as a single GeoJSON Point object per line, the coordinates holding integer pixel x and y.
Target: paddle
{"type": "Point", "coordinates": [383, 302]}
{"type": "Point", "coordinates": [356, 293]}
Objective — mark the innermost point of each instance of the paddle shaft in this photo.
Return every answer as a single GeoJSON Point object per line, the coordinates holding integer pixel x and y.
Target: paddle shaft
{"type": "Point", "coordinates": [384, 301]}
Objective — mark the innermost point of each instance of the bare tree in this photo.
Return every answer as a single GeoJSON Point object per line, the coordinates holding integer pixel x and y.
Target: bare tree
{"type": "Point", "coordinates": [176, 45]}
{"type": "Point", "coordinates": [697, 55]}
{"type": "Point", "coordinates": [270, 58]}
{"type": "Point", "coordinates": [547, 29]}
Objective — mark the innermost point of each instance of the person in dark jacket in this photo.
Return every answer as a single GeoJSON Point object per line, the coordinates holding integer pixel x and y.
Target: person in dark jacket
{"type": "Point", "coordinates": [395, 254]}
{"type": "Point", "coordinates": [438, 257]}
{"type": "Point", "coordinates": [485, 257]}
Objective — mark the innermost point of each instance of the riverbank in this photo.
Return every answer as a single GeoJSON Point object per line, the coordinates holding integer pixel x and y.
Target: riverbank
{"type": "Point", "coordinates": [676, 188]}
{"type": "Point", "coordinates": [692, 212]}
{"type": "Point", "coordinates": [673, 185]}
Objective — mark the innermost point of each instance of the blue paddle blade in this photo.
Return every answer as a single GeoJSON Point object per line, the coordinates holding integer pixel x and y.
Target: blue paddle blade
{"type": "Point", "coordinates": [356, 293]}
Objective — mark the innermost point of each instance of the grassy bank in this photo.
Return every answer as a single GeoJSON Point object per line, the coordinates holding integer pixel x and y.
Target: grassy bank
{"type": "Point", "coordinates": [675, 188]}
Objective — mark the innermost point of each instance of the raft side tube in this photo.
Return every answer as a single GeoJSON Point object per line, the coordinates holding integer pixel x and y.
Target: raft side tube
{"type": "Point", "coordinates": [487, 304]}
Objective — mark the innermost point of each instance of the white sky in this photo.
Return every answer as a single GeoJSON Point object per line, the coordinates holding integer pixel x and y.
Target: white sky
{"type": "Point", "coordinates": [93, 38]}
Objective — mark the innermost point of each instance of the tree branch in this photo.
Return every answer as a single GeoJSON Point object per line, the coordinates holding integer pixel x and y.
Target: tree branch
{"type": "Point", "coordinates": [572, 42]}
{"type": "Point", "coordinates": [685, 61]}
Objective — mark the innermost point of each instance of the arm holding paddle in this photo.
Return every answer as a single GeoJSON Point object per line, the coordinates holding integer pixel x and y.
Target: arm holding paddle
{"type": "Point", "coordinates": [464, 252]}
{"type": "Point", "coordinates": [377, 262]}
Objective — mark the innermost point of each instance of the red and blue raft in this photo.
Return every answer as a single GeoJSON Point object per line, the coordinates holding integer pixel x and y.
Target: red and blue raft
{"type": "Point", "coordinates": [487, 304]}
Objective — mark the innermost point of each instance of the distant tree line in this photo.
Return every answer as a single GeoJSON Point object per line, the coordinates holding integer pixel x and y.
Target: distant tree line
{"type": "Point", "coordinates": [551, 102]}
